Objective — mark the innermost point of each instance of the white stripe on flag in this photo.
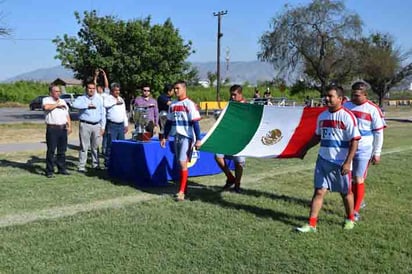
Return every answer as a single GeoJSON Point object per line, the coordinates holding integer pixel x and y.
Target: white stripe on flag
{"type": "Point", "coordinates": [286, 119]}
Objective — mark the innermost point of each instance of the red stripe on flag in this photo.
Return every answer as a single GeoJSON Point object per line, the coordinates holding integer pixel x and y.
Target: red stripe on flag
{"type": "Point", "coordinates": [303, 133]}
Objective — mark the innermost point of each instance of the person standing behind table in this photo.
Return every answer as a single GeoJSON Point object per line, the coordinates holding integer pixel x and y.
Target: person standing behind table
{"type": "Point", "coordinates": [256, 95]}
{"type": "Point", "coordinates": [147, 102]}
{"type": "Point", "coordinates": [92, 117]}
{"type": "Point", "coordinates": [371, 124]}
{"type": "Point", "coordinates": [163, 102]}
{"type": "Point", "coordinates": [338, 134]}
{"type": "Point", "coordinates": [236, 95]}
{"type": "Point", "coordinates": [183, 124]}
{"type": "Point", "coordinates": [58, 123]}
{"type": "Point", "coordinates": [165, 99]}
{"type": "Point", "coordinates": [104, 92]}
{"type": "Point", "coordinates": [116, 119]}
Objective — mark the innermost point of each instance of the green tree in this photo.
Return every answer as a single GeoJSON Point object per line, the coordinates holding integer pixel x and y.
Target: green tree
{"type": "Point", "coordinates": [380, 63]}
{"type": "Point", "coordinates": [131, 52]}
{"type": "Point", "coordinates": [212, 77]}
{"type": "Point", "coordinates": [313, 39]}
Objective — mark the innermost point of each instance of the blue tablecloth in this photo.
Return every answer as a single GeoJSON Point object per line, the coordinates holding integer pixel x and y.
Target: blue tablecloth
{"type": "Point", "coordinates": [148, 164]}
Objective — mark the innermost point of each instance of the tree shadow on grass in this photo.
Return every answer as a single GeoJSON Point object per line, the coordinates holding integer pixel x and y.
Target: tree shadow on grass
{"type": "Point", "coordinates": [213, 195]}
{"type": "Point", "coordinates": [399, 120]}
{"type": "Point", "coordinates": [36, 165]}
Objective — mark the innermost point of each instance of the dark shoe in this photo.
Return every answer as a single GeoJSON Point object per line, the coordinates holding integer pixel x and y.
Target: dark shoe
{"type": "Point", "coordinates": [64, 172]}
{"type": "Point", "coordinates": [49, 175]}
{"type": "Point", "coordinates": [228, 185]}
{"type": "Point", "coordinates": [81, 170]}
{"type": "Point", "coordinates": [237, 189]}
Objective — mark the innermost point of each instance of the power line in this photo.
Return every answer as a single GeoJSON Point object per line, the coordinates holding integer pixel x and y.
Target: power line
{"type": "Point", "coordinates": [26, 39]}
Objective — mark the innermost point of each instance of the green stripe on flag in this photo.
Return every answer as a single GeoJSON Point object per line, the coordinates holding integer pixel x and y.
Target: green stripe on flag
{"type": "Point", "coordinates": [235, 130]}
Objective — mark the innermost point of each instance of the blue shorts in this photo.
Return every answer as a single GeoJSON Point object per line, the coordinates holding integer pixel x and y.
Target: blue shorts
{"type": "Point", "coordinates": [183, 148]}
{"type": "Point", "coordinates": [328, 175]}
{"type": "Point", "coordinates": [236, 159]}
{"type": "Point", "coordinates": [360, 167]}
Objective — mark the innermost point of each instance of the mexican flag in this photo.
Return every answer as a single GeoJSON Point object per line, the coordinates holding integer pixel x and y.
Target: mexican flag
{"type": "Point", "coordinates": [261, 131]}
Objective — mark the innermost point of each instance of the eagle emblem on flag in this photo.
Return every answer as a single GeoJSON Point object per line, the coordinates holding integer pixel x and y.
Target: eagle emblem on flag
{"type": "Point", "coordinates": [272, 137]}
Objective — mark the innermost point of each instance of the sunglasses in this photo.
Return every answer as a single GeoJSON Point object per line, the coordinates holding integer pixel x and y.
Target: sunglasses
{"type": "Point", "coordinates": [146, 90]}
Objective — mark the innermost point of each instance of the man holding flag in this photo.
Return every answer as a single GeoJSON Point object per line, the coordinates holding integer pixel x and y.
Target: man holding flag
{"type": "Point", "coordinates": [236, 95]}
{"type": "Point", "coordinates": [338, 135]}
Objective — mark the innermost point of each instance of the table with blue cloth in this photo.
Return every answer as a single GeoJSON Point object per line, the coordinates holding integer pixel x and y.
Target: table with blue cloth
{"type": "Point", "coordinates": [148, 164]}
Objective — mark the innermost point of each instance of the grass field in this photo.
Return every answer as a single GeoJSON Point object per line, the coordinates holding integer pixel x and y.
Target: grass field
{"type": "Point", "coordinates": [90, 224]}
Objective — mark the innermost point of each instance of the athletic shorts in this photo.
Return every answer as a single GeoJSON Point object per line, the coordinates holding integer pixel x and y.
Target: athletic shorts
{"type": "Point", "coordinates": [183, 148]}
{"type": "Point", "coordinates": [360, 167]}
{"type": "Point", "coordinates": [328, 175]}
{"type": "Point", "coordinates": [237, 159]}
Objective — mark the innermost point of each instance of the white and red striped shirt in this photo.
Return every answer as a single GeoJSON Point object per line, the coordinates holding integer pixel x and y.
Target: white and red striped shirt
{"type": "Point", "coordinates": [182, 114]}
{"type": "Point", "coordinates": [370, 119]}
{"type": "Point", "coordinates": [336, 129]}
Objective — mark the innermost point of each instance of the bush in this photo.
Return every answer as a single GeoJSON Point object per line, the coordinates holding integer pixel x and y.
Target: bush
{"type": "Point", "coordinates": [22, 91]}
{"type": "Point", "coordinates": [25, 91]}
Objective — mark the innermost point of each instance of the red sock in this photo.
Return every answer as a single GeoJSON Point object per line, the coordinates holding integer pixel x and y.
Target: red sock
{"type": "Point", "coordinates": [183, 180]}
{"type": "Point", "coordinates": [313, 221]}
{"type": "Point", "coordinates": [359, 193]}
{"type": "Point", "coordinates": [351, 217]}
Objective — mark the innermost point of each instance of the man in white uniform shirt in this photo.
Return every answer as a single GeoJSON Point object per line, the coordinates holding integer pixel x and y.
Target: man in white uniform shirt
{"type": "Point", "coordinates": [58, 127]}
{"type": "Point", "coordinates": [117, 123]}
{"type": "Point", "coordinates": [371, 124]}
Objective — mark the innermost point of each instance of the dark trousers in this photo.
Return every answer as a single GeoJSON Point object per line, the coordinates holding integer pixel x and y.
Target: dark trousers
{"type": "Point", "coordinates": [114, 131]}
{"type": "Point", "coordinates": [56, 138]}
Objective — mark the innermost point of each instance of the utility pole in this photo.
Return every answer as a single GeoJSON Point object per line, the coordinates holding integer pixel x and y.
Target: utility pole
{"type": "Point", "coordinates": [219, 15]}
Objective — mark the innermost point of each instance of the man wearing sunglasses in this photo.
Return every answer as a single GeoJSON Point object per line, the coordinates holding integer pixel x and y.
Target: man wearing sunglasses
{"type": "Point", "coordinates": [146, 101]}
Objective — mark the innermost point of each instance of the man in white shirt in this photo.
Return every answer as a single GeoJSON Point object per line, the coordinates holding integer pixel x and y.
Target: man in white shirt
{"type": "Point", "coordinates": [58, 123]}
{"type": "Point", "coordinates": [104, 91]}
{"type": "Point", "coordinates": [117, 123]}
{"type": "Point", "coordinates": [371, 124]}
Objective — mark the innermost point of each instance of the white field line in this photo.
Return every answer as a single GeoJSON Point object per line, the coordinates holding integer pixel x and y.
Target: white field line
{"type": "Point", "coordinates": [70, 210]}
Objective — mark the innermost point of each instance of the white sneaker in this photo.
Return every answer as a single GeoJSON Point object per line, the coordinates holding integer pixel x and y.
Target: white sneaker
{"type": "Point", "coordinates": [357, 217]}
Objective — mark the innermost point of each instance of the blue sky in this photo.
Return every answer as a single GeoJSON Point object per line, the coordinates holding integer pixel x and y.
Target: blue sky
{"type": "Point", "coordinates": [36, 22]}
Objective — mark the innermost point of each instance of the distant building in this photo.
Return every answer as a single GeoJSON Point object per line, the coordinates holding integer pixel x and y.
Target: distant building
{"type": "Point", "coordinates": [67, 82]}
{"type": "Point", "coordinates": [204, 83]}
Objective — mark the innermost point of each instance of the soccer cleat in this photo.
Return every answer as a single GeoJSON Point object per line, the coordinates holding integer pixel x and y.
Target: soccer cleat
{"type": "Point", "coordinates": [363, 204]}
{"type": "Point", "coordinates": [357, 216]}
{"type": "Point", "coordinates": [180, 197]}
{"type": "Point", "coordinates": [348, 225]}
{"type": "Point", "coordinates": [228, 185]}
{"type": "Point", "coordinates": [306, 228]}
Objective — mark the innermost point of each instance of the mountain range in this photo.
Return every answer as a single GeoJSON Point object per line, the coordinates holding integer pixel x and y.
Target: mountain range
{"type": "Point", "coordinates": [238, 72]}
